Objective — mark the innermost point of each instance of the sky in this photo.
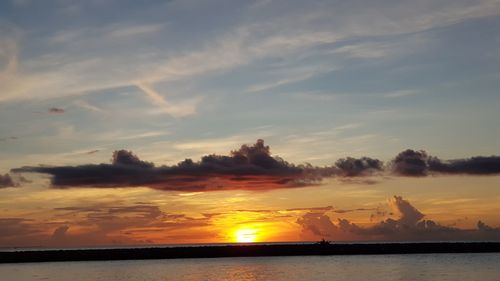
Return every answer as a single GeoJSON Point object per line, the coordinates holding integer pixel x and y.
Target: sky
{"type": "Point", "coordinates": [178, 122]}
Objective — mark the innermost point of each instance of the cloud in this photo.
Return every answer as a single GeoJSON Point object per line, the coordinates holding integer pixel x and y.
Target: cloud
{"type": "Point", "coordinates": [252, 168]}
{"type": "Point", "coordinates": [409, 215]}
{"type": "Point", "coordinates": [343, 211]}
{"type": "Point", "coordinates": [476, 165]}
{"type": "Point", "coordinates": [60, 232]}
{"type": "Point", "coordinates": [399, 94]}
{"type": "Point", "coordinates": [364, 51]}
{"type": "Point", "coordinates": [324, 209]}
{"type": "Point", "coordinates": [56, 110]}
{"type": "Point", "coordinates": [18, 231]}
{"type": "Point", "coordinates": [419, 163]}
{"type": "Point", "coordinates": [134, 30]}
{"type": "Point", "coordinates": [116, 224]}
{"type": "Point", "coordinates": [8, 138]}
{"type": "Point", "coordinates": [291, 76]}
{"type": "Point", "coordinates": [102, 224]}
{"type": "Point", "coordinates": [410, 163]}
{"type": "Point", "coordinates": [7, 181]}
{"type": "Point", "coordinates": [486, 228]}
{"type": "Point", "coordinates": [271, 33]}
{"type": "Point", "coordinates": [352, 167]}
{"type": "Point", "coordinates": [409, 226]}
{"type": "Point", "coordinates": [357, 180]}
{"type": "Point", "coordinates": [86, 105]}
{"type": "Point", "coordinates": [127, 158]}
{"type": "Point", "coordinates": [182, 109]}
{"type": "Point", "coordinates": [317, 223]}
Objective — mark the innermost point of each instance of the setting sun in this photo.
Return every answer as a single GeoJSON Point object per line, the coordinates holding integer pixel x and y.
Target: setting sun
{"type": "Point", "coordinates": [246, 235]}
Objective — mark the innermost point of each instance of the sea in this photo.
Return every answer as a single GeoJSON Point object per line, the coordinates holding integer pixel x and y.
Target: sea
{"type": "Point", "coordinates": [414, 267]}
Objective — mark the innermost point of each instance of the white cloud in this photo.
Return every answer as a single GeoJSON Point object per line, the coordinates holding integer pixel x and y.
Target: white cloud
{"type": "Point", "coordinates": [134, 30]}
{"type": "Point", "coordinates": [290, 76]}
{"type": "Point", "coordinates": [399, 94]}
{"type": "Point", "coordinates": [363, 51]}
{"type": "Point", "coordinates": [179, 109]}
{"type": "Point", "coordinates": [88, 106]}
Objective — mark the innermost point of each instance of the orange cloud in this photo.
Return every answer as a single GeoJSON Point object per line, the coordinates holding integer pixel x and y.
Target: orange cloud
{"type": "Point", "coordinates": [410, 226]}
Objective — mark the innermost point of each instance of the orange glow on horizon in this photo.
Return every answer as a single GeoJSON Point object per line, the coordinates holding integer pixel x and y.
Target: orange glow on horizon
{"type": "Point", "coordinates": [246, 235]}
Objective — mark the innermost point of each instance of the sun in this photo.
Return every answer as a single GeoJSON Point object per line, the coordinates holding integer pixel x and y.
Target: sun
{"type": "Point", "coordinates": [245, 235]}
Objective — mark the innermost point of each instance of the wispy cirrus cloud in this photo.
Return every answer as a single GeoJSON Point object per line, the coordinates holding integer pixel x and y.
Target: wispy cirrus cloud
{"type": "Point", "coordinates": [179, 109]}
{"type": "Point", "coordinates": [133, 30]}
{"type": "Point", "coordinates": [86, 36]}
{"type": "Point", "coordinates": [291, 76]}
{"type": "Point", "coordinates": [400, 94]}
{"type": "Point", "coordinates": [88, 106]}
{"type": "Point", "coordinates": [238, 45]}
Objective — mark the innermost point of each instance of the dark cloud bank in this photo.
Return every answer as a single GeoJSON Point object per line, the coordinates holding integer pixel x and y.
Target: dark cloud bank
{"type": "Point", "coordinates": [6, 181]}
{"type": "Point", "coordinates": [419, 163]}
{"type": "Point", "coordinates": [410, 226]}
{"type": "Point", "coordinates": [251, 167]}
{"type": "Point", "coordinates": [9, 181]}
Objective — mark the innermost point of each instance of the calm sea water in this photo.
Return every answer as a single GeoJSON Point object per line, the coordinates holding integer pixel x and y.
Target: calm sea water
{"type": "Point", "coordinates": [378, 267]}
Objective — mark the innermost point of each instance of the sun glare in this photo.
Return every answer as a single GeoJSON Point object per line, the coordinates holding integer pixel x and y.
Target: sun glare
{"type": "Point", "coordinates": [246, 235]}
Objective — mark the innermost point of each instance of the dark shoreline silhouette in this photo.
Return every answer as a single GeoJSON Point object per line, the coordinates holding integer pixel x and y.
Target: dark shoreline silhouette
{"type": "Point", "coordinates": [247, 251]}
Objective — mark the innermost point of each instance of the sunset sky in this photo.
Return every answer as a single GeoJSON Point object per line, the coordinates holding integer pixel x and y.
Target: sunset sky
{"type": "Point", "coordinates": [102, 102]}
